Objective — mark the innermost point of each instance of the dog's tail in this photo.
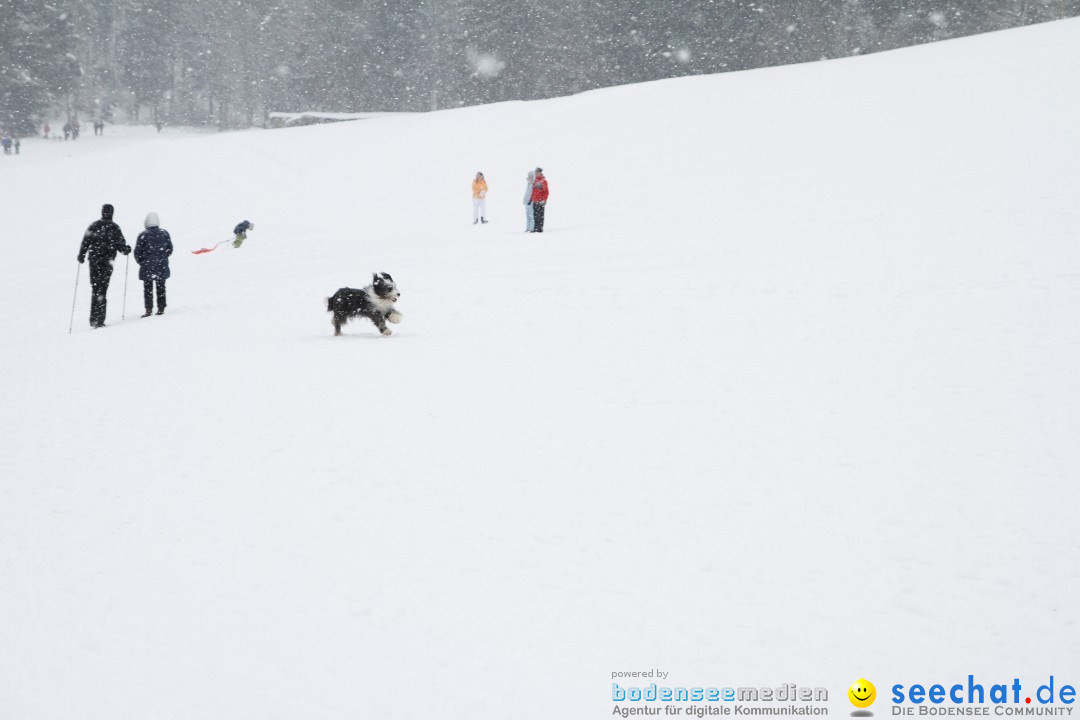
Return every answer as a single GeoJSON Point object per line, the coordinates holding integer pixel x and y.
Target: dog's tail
{"type": "Point", "coordinates": [329, 304]}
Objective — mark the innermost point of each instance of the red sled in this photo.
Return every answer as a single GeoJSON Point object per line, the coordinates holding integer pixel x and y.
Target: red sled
{"type": "Point", "coordinates": [206, 250]}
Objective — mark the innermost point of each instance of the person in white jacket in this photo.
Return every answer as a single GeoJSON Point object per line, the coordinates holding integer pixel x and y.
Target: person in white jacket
{"type": "Point", "coordinates": [528, 201]}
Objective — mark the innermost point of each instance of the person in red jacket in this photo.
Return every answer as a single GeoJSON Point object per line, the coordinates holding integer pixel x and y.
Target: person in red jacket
{"type": "Point", "coordinates": [539, 199]}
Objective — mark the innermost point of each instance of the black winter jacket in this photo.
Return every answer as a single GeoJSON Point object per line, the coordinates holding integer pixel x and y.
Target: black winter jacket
{"type": "Point", "coordinates": [103, 239]}
{"type": "Point", "coordinates": [152, 251]}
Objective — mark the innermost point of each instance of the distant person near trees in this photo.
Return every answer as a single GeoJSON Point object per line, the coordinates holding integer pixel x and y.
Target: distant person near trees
{"type": "Point", "coordinates": [102, 240]}
{"type": "Point", "coordinates": [152, 251]}
{"type": "Point", "coordinates": [539, 199]}
{"type": "Point", "coordinates": [479, 199]}
{"type": "Point", "coordinates": [529, 178]}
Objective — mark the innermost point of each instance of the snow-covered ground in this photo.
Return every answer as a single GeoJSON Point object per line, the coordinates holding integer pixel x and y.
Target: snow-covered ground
{"type": "Point", "coordinates": [788, 392]}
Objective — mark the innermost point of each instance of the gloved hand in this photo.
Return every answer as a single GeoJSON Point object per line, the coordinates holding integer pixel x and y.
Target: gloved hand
{"type": "Point", "coordinates": [81, 259]}
{"type": "Point", "coordinates": [126, 250]}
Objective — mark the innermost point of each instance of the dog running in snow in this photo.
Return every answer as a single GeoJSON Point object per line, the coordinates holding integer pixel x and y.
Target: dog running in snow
{"type": "Point", "coordinates": [375, 302]}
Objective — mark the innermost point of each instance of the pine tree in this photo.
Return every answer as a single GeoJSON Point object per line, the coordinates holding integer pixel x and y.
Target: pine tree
{"type": "Point", "coordinates": [37, 65]}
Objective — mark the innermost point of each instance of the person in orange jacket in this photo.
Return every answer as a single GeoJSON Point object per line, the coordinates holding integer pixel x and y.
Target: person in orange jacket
{"type": "Point", "coordinates": [539, 199]}
{"type": "Point", "coordinates": [479, 199]}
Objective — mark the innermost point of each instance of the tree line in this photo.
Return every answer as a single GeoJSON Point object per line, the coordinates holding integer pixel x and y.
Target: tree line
{"type": "Point", "coordinates": [231, 62]}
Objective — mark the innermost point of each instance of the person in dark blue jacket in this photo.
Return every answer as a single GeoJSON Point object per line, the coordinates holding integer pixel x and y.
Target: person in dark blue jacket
{"type": "Point", "coordinates": [241, 231]}
{"type": "Point", "coordinates": [102, 240]}
{"type": "Point", "coordinates": [152, 251]}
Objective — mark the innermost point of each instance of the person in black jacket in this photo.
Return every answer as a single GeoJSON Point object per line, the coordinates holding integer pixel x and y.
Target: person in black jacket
{"type": "Point", "coordinates": [241, 231]}
{"type": "Point", "coordinates": [152, 251]}
{"type": "Point", "coordinates": [103, 239]}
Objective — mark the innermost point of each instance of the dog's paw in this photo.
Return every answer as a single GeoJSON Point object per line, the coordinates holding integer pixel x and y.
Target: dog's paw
{"type": "Point", "coordinates": [385, 331]}
{"type": "Point", "coordinates": [394, 317]}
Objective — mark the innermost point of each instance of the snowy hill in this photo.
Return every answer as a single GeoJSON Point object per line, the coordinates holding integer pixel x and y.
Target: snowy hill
{"type": "Point", "coordinates": [786, 393]}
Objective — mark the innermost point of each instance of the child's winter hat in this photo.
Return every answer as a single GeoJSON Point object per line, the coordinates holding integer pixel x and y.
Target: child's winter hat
{"type": "Point", "coordinates": [151, 220]}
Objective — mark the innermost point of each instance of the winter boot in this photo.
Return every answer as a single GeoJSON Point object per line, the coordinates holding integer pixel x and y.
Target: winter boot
{"type": "Point", "coordinates": [147, 313]}
{"type": "Point", "coordinates": [161, 311]}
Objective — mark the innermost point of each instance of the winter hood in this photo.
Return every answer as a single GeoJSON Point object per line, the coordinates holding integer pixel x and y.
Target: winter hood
{"type": "Point", "coordinates": [151, 221]}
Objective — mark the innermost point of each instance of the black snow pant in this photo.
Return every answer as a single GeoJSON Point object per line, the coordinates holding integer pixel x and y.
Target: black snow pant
{"type": "Point", "coordinates": [148, 294]}
{"type": "Point", "coordinates": [100, 274]}
{"type": "Point", "coordinates": [538, 217]}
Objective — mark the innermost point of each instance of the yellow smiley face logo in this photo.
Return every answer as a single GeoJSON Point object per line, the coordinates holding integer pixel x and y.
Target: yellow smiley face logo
{"type": "Point", "coordinates": [862, 693]}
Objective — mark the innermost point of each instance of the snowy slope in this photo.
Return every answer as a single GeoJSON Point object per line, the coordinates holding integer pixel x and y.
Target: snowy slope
{"type": "Point", "coordinates": [787, 393]}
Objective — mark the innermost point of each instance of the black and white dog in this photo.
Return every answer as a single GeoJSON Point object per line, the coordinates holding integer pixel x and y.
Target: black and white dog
{"type": "Point", "coordinates": [375, 302]}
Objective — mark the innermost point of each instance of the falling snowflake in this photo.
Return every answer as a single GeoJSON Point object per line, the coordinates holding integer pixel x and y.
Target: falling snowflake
{"type": "Point", "coordinates": [486, 66]}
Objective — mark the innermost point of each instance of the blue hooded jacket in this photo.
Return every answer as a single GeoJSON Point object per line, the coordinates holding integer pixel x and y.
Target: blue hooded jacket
{"type": "Point", "coordinates": [152, 251]}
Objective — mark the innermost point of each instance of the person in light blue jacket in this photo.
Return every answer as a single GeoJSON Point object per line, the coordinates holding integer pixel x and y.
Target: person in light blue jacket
{"type": "Point", "coordinates": [528, 202]}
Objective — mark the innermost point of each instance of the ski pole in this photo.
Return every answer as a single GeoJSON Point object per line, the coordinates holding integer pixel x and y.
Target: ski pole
{"type": "Point", "coordinates": [123, 306]}
{"type": "Point", "coordinates": [78, 270]}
